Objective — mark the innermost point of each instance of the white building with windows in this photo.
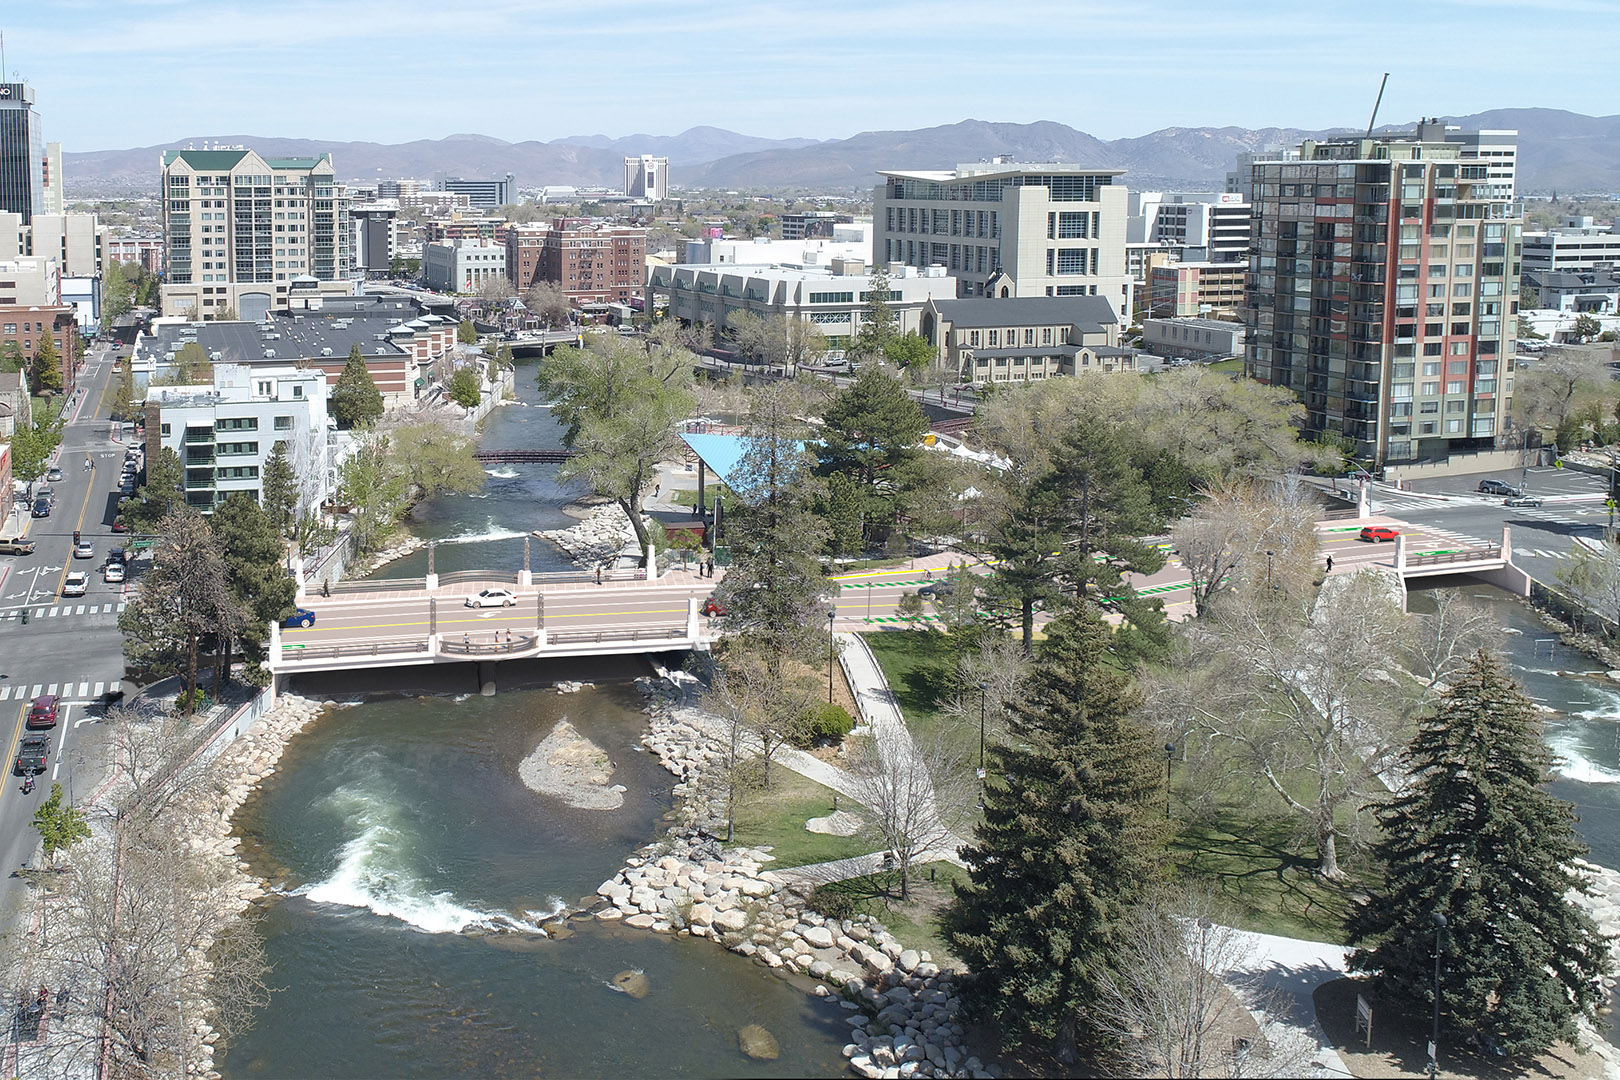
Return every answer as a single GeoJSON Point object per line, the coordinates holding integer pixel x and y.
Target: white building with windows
{"type": "Point", "coordinates": [462, 266]}
{"type": "Point", "coordinates": [832, 297]}
{"type": "Point", "coordinates": [226, 431]}
{"type": "Point", "coordinates": [1005, 229]}
{"type": "Point", "coordinates": [1578, 245]}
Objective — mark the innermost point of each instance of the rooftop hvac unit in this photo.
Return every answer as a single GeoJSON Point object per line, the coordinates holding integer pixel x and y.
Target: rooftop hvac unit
{"type": "Point", "coordinates": [327, 351]}
{"type": "Point", "coordinates": [269, 354]}
{"type": "Point", "coordinates": [216, 357]}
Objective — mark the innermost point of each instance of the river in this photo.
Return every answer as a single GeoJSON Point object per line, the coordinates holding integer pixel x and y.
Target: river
{"type": "Point", "coordinates": [416, 863]}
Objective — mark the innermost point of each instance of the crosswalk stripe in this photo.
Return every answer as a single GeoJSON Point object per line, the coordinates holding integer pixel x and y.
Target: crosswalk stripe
{"type": "Point", "coordinates": [39, 613]}
{"type": "Point", "coordinates": [37, 691]}
{"type": "Point", "coordinates": [79, 610]}
{"type": "Point", "coordinates": [100, 688]}
{"type": "Point", "coordinates": [54, 612]}
{"type": "Point", "coordinates": [5, 692]}
{"type": "Point", "coordinates": [52, 690]}
{"type": "Point", "coordinates": [122, 606]}
{"type": "Point", "coordinates": [84, 689]}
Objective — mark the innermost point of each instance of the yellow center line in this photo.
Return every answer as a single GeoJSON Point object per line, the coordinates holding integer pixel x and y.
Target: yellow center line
{"type": "Point", "coordinates": [67, 563]}
{"type": "Point", "coordinates": [16, 735]}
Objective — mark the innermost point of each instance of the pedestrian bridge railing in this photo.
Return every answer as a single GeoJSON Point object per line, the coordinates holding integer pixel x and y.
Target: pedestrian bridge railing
{"type": "Point", "coordinates": [374, 585]}
{"type": "Point", "coordinates": [351, 650]}
{"type": "Point", "coordinates": [1471, 555]}
{"type": "Point", "coordinates": [640, 633]}
{"type": "Point", "coordinates": [520, 643]}
{"type": "Point", "coordinates": [459, 577]}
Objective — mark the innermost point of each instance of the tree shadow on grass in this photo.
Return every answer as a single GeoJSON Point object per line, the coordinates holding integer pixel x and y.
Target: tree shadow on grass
{"type": "Point", "coordinates": [1260, 875]}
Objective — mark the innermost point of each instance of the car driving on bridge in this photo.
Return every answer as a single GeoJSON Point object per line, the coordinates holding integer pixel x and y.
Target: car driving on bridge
{"type": "Point", "coordinates": [1379, 534]}
{"type": "Point", "coordinates": [492, 598]}
{"type": "Point", "coordinates": [302, 618]}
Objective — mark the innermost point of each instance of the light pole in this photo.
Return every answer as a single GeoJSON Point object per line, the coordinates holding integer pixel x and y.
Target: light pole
{"type": "Point", "coordinates": [983, 687]}
{"type": "Point", "coordinates": [832, 643]}
{"type": "Point", "coordinates": [1169, 760]}
{"type": "Point", "coordinates": [1439, 921]}
{"type": "Point", "coordinates": [1269, 554]}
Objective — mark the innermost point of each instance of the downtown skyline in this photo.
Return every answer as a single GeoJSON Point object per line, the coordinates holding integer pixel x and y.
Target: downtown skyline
{"type": "Point", "coordinates": [393, 72]}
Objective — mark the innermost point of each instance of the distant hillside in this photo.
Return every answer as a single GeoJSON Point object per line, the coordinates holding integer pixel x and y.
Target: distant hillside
{"type": "Point", "coordinates": [1557, 150]}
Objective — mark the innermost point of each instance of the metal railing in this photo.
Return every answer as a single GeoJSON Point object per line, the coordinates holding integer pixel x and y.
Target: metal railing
{"type": "Point", "coordinates": [504, 577]}
{"type": "Point", "coordinates": [578, 637]}
{"type": "Point", "coordinates": [518, 644]}
{"type": "Point", "coordinates": [362, 648]}
{"type": "Point", "coordinates": [371, 585]}
{"type": "Point", "coordinates": [1484, 554]}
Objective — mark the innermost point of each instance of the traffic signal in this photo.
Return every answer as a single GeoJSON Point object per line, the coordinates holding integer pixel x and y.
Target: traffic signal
{"type": "Point", "coordinates": [25, 616]}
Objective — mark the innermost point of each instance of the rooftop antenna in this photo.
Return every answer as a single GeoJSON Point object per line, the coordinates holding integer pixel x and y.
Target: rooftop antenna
{"type": "Point", "coordinates": [1377, 103]}
{"type": "Point", "coordinates": [2, 52]}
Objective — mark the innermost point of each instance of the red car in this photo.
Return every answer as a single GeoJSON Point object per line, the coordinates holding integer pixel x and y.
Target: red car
{"type": "Point", "coordinates": [711, 608]}
{"type": "Point", "coordinates": [42, 713]}
{"type": "Point", "coordinates": [1379, 533]}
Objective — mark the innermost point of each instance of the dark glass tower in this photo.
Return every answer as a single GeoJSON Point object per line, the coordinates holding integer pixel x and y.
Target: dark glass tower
{"type": "Point", "coordinates": [22, 152]}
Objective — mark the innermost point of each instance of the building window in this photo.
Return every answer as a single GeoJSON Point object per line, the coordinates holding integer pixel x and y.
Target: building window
{"type": "Point", "coordinates": [1071, 260]}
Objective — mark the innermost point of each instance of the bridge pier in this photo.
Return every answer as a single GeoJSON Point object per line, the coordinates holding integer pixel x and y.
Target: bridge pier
{"type": "Point", "coordinates": [486, 678]}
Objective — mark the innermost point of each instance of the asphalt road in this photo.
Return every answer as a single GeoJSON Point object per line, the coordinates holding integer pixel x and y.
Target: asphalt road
{"type": "Point", "coordinates": [69, 647]}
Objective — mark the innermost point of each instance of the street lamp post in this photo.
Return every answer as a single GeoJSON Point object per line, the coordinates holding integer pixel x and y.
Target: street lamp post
{"type": "Point", "coordinates": [832, 643]}
{"type": "Point", "coordinates": [1439, 921]}
{"type": "Point", "coordinates": [1169, 760]}
{"type": "Point", "coordinates": [1269, 554]}
{"type": "Point", "coordinates": [983, 687]}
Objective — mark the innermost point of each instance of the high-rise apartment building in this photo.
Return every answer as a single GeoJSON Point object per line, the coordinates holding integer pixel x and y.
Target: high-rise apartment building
{"type": "Point", "coordinates": [239, 228]}
{"type": "Point", "coordinates": [595, 264]}
{"type": "Point", "coordinates": [22, 153]}
{"type": "Point", "coordinates": [51, 179]}
{"type": "Point", "coordinates": [1007, 229]}
{"type": "Point", "coordinates": [646, 177]}
{"type": "Point", "coordinates": [1383, 288]}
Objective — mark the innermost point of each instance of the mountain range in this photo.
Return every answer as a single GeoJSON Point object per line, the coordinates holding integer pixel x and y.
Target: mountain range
{"type": "Point", "coordinates": [1558, 150]}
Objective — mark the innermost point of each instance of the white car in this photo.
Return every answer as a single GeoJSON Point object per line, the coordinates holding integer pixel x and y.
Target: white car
{"type": "Point", "coordinates": [77, 584]}
{"type": "Point", "coordinates": [113, 573]}
{"type": "Point", "coordinates": [492, 598]}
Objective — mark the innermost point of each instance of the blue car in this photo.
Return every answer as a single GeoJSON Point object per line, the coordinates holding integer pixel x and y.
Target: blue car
{"type": "Point", "coordinates": [301, 617]}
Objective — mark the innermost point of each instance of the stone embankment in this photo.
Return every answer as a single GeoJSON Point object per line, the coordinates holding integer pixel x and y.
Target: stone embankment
{"type": "Point", "coordinates": [902, 1004]}
{"type": "Point", "coordinates": [598, 539]}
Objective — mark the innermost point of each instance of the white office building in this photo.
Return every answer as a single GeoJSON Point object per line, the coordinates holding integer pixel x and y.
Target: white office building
{"type": "Point", "coordinates": [850, 242]}
{"type": "Point", "coordinates": [226, 431]}
{"type": "Point", "coordinates": [1005, 229]}
{"type": "Point", "coordinates": [1578, 245]}
{"type": "Point", "coordinates": [462, 266]}
{"type": "Point", "coordinates": [646, 177]}
{"type": "Point", "coordinates": [1191, 226]}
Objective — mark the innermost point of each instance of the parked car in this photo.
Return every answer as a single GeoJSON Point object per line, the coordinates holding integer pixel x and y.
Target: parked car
{"type": "Point", "coordinates": [53, 475]}
{"type": "Point", "coordinates": [302, 618]}
{"type": "Point", "coordinates": [77, 584]}
{"type": "Point", "coordinates": [46, 493]}
{"type": "Point", "coordinates": [116, 555]}
{"type": "Point", "coordinates": [119, 524]}
{"type": "Point", "coordinates": [84, 549]}
{"type": "Point", "coordinates": [1378, 534]}
{"type": "Point", "coordinates": [32, 754]}
{"type": "Point", "coordinates": [42, 508]}
{"type": "Point", "coordinates": [1498, 487]}
{"type": "Point", "coordinates": [1522, 500]}
{"type": "Point", "coordinates": [17, 545]}
{"type": "Point", "coordinates": [711, 607]}
{"type": "Point", "coordinates": [492, 598]}
{"type": "Point", "coordinates": [42, 713]}
{"type": "Point", "coordinates": [113, 573]}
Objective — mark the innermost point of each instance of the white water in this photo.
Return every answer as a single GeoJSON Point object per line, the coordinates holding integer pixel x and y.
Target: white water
{"type": "Point", "coordinates": [505, 472]}
{"type": "Point", "coordinates": [490, 531]}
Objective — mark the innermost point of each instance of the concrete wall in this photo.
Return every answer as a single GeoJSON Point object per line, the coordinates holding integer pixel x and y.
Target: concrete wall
{"type": "Point", "coordinates": [1464, 464]}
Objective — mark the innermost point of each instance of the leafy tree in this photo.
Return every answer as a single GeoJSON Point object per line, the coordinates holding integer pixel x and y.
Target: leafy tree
{"type": "Point", "coordinates": [47, 366]}
{"type": "Point", "coordinates": [378, 491]}
{"type": "Point", "coordinates": [1474, 837]}
{"type": "Point", "coordinates": [255, 565]}
{"type": "Point", "coordinates": [435, 460]}
{"type": "Point", "coordinates": [59, 827]}
{"type": "Point", "coordinates": [1072, 836]}
{"type": "Point", "coordinates": [878, 325]}
{"type": "Point", "coordinates": [279, 490]}
{"type": "Point", "coordinates": [775, 590]}
{"type": "Point", "coordinates": [467, 333]}
{"type": "Point", "coordinates": [465, 389]}
{"type": "Point", "coordinates": [803, 341]}
{"type": "Point", "coordinates": [620, 401]}
{"type": "Point", "coordinates": [355, 400]}
{"type": "Point", "coordinates": [117, 294]}
{"type": "Point", "coordinates": [12, 359]}
{"type": "Point", "coordinates": [1242, 530]}
{"type": "Point", "coordinates": [182, 600]}
{"type": "Point", "coordinates": [126, 405]}
{"type": "Point", "coordinates": [192, 366]}
{"type": "Point", "coordinates": [1586, 328]}
{"type": "Point", "coordinates": [873, 433]}
{"type": "Point", "coordinates": [32, 447]}
{"type": "Point", "coordinates": [548, 300]}
{"type": "Point", "coordinates": [162, 492]}
{"type": "Point", "coordinates": [909, 351]}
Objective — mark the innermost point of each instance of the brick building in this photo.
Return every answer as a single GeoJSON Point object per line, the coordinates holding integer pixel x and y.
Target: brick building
{"type": "Point", "coordinates": [29, 326]}
{"type": "Point", "coordinates": [595, 263]}
{"type": "Point", "coordinates": [523, 247]}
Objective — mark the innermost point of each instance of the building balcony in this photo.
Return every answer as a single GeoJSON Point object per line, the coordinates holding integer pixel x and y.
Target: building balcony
{"type": "Point", "coordinates": [199, 455]}
{"type": "Point", "coordinates": [199, 484]}
{"type": "Point", "coordinates": [199, 436]}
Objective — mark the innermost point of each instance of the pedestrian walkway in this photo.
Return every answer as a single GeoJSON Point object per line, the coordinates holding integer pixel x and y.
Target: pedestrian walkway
{"type": "Point", "coordinates": [67, 688]}
{"type": "Point", "coordinates": [57, 611]}
{"type": "Point", "coordinates": [1293, 967]}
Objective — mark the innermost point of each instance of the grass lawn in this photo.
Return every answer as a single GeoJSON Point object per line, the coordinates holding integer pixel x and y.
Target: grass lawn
{"type": "Point", "coordinates": [855, 566]}
{"type": "Point", "coordinates": [776, 816]}
{"type": "Point", "coordinates": [915, 922]}
{"type": "Point", "coordinates": [919, 665]}
{"type": "Point", "coordinates": [1234, 364]}
{"type": "Point", "coordinates": [728, 501]}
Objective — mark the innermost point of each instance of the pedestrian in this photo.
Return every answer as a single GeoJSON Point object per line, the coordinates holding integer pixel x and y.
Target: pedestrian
{"type": "Point", "coordinates": [1330, 564]}
{"type": "Point", "coordinates": [326, 588]}
{"type": "Point", "coordinates": [466, 639]}
{"type": "Point", "coordinates": [599, 573]}
{"type": "Point", "coordinates": [656, 489]}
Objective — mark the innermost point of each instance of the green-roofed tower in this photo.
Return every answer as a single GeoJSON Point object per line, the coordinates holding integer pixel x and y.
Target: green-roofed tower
{"type": "Point", "coordinates": [240, 228]}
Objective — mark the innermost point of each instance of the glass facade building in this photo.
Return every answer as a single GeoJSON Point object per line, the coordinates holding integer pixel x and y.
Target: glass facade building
{"type": "Point", "coordinates": [22, 153]}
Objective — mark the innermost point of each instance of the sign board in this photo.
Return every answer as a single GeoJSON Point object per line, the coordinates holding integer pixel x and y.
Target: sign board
{"type": "Point", "coordinates": [1364, 1018]}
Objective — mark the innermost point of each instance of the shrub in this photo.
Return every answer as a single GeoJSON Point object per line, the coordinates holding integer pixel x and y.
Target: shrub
{"type": "Point", "coordinates": [826, 723]}
{"type": "Point", "coordinates": [832, 901]}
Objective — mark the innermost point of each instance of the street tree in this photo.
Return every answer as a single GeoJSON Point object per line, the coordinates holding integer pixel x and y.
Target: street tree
{"type": "Point", "coordinates": [280, 490]}
{"type": "Point", "coordinates": [1547, 393]}
{"type": "Point", "coordinates": [47, 367]}
{"type": "Point", "coordinates": [752, 336]}
{"type": "Point", "coordinates": [466, 332]}
{"type": "Point", "coordinates": [620, 402]}
{"type": "Point", "coordinates": [1072, 836]}
{"type": "Point", "coordinates": [548, 301]}
{"type": "Point", "coordinates": [775, 590]}
{"type": "Point", "coordinates": [803, 341]}
{"type": "Point", "coordinates": [909, 352]}
{"type": "Point", "coordinates": [1246, 534]}
{"type": "Point", "coordinates": [256, 568]}
{"type": "Point", "coordinates": [496, 288]}
{"type": "Point", "coordinates": [872, 435]}
{"type": "Point", "coordinates": [117, 294]}
{"type": "Point", "coordinates": [355, 401]}
{"type": "Point", "coordinates": [183, 600]}
{"type": "Point", "coordinates": [126, 403]}
{"type": "Point", "coordinates": [162, 492]}
{"type": "Point", "coordinates": [59, 826]}
{"type": "Point", "coordinates": [464, 388]}
{"type": "Point", "coordinates": [920, 792]}
{"type": "Point", "coordinates": [1475, 837]}
{"type": "Point", "coordinates": [32, 447]}
{"type": "Point", "coordinates": [878, 326]}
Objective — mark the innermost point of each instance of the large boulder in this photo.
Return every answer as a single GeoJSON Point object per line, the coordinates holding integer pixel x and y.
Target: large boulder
{"type": "Point", "coordinates": [633, 983]}
{"type": "Point", "coordinates": [732, 920]}
{"type": "Point", "coordinates": [758, 1043]}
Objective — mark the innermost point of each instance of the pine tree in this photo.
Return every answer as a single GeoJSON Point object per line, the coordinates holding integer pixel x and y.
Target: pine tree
{"type": "Point", "coordinates": [873, 433]}
{"type": "Point", "coordinates": [280, 490]}
{"type": "Point", "coordinates": [1475, 838]}
{"type": "Point", "coordinates": [1070, 838]}
{"type": "Point", "coordinates": [355, 401]}
{"type": "Point", "coordinates": [47, 366]}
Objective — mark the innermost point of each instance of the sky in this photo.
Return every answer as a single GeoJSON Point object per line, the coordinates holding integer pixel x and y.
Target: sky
{"type": "Point", "coordinates": [113, 74]}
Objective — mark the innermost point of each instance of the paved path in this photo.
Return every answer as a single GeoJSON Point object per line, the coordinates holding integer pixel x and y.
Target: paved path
{"type": "Point", "coordinates": [1296, 968]}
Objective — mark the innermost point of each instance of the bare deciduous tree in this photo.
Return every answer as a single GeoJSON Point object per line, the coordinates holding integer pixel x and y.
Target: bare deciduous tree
{"type": "Point", "coordinates": [1247, 533]}
{"type": "Point", "coordinates": [770, 697]}
{"type": "Point", "coordinates": [1545, 392]}
{"type": "Point", "coordinates": [918, 795]}
{"type": "Point", "coordinates": [1180, 991]}
{"type": "Point", "coordinates": [548, 300]}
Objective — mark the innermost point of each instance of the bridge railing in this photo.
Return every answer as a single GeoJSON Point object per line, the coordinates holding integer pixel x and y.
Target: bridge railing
{"type": "Point", "coordinates": [633, 573]}
{"type": "Point", "coordinates": [521, 643]}
{"type": "Point", "coordinates": [1484, 554]}
{"type": "Point", "coordinates": [373, 585]}
{"type": "Point", "coordinates": [353, 649]}
{"type": "Point", "coordinates": [457, 577]}
{"type": "Point", "coordinates": [640, 633]}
